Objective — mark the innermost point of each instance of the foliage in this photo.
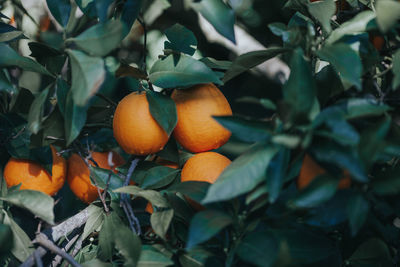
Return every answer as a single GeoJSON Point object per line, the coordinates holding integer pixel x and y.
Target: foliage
{"type": "Point", "coordinates": [65, 65]}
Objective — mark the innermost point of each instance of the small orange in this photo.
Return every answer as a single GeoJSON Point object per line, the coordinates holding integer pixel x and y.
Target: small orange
{"type": "Point", "coordinates": [196, 130]}
{"type": "Point", "coordinates": [33, 176]}
{"type": "Point", "coordinates": [203, 167]}
{"type": "Point", "coordinates": [310, 169]}
{"type": "Point", "coordinates": [149, 208]}
{"type": "Point", "coordinates": [135, 129]}
{"type": "Point", "coordinates": [79, 173]}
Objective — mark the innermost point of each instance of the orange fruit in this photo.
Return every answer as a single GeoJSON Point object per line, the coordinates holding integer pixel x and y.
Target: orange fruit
{"type": "Point", "coordinates": [310, 169]}
{"type": "Point", "coordinates": [33, 176]}
{"type": "Point", "coordinates": [135, 129]}
{"type": "Point", "coordinates": [196, 130]}
{"type": "Point", "coordinates": [167, 163]}
{"type": "Point", "coordinates": [149, 208]}
{"type": "Point", "coordinates": [79, 173]}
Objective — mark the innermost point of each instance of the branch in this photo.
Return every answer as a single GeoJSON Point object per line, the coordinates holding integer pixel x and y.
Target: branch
{"type": "Point", "coordinates": [58, 258]}
{"type": "Point", "coordinates": [275, 69]}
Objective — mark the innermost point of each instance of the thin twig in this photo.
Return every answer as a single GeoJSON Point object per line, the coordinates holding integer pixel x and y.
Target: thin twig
{"type": "Point", "coordinates": [45, 242]}
{"type": "Point", "coordinates": [57, 260]}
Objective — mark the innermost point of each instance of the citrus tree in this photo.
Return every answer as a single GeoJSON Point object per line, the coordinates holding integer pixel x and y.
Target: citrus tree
{"type": "Point", "coordinates": [130, 139]}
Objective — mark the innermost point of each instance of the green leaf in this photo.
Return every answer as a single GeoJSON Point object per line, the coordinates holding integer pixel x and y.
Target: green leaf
{"type": "Point", "coordinates": [6, 239]}
{"type": "Point", "coordinates": [74, 118]}
{"type": "Point", "coordinates": [87, 7]}
{"type": "Point", "coordinates": [181, 71]}
{"type": "Point", "coordinates": [11, 58]}
{"type": "Point", "coordinates": [357, 211]}
{"type": "Point", "coordinates": [102, 7]}
{"type": "Point", "coordinates": [323, 12]}
{"type": "Point", "coordinates": [341, 56]}
{"type": "Point", "coordinates": [216, 64]}
{"type": "Point", "coordinates": [373, 252]}
{"type": "Point", "coordinates": [96, 263]}
{"type": "Point", "coordinates": [249, 60]}
{"type": "Point", "coordinates": [163, 110]}
{"type": "Point", "coordinates": [62, 90]}
{"type": "Point", "coordinates": [159, 177]}
{"type": "Point", "coordinates": [101, 39]}
{"type": "Point", "coordinates": [160, 221]}
{"type": "Point", "coordinates": [387, 182]}
{"type": "Point", "coordinates": [299, 91]}
{"type": "Point", "coordinates": [260, 248]}
{"type": "Point", "coordinates": [5, 83]}
{"type": "Point", "coordinates": [206, 224]}
{"type": "Point", "coordinates": [244, 129]}
{"type": "Point", "coordinates": [40, 204]}
{"type": "Point", "coordinates": [180, 39]}
{"type": "Point", "coordinates": [88, 74]}
{"type": "Point", "coordinates": [396, 70]}
{"type": "Point", "coordinates": [128, 244]}
{"type": "Point", "coordinates": [131, 11]}
{"type": "Point", "coordinates": [363, 107]}
{"type": "Point", "coordinates": [101, 176]}
{"type": "Point", "coordinates": [60, 10]}
{"type": "Point", "coordinates": [95, 220]}
{"type": "Point", "coordinates": [107, 236]}
{"type": "Point", "coordinates": [252, 165]}
{"type": "Point", "coordinates": [221, 17]}
{"type": "Point", "coordinates": [150, 195]}
{"type": "Point", "coordinates": [22, 245]}
{"type": "Point", "coordinates": [276, 173]}
{"type": "Point", "coordinates": [152, 258]}
{"type": "Point", "coordinates": [321, 189]}
{"type": "Point", "coordinates": [360, 23]}
{"type": "Point", "coordinates": [35, 115]}
{"type": "Point", "coordinates": [387, 14]}
{"type": "Point", "coordinates": [9, 33]}
{"type": "Point", "coordinates": [193, 189]}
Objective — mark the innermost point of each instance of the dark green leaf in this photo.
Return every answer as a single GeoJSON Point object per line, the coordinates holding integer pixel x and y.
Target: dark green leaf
{"type": "Point", "coordinates": [6, 238]}
{"type": "Point", "coordinates": [387, 14]}
{"type": "Point", "coordinates": [252, 165]}
{"type": "Point", "coordinates": [163, 110]}
{"type": "Point", "coordinates": [181, 71]}
{"type": "Point", "coordinates": [11, 58]}
{"type": "Point", "coordinates": [363, 107]}
{"type": "Point", "coordinates": [101, 39]}
{"type": "Point", "coordinates": [357, 210]}
{"type": "Point", "coordinates": [74, 118]}
{"type": "Point", "coordinates": [206, 224]}
{"type": "Point", "coordinates": [276, 173]}
{"type": "Point", "coordinates": [373, 252]}
{"type": "Point", "coordinates": [60, 10]}
{"type": "Point", "coordinates": [102, 7]}
{"type": "Point", "coordinates": [387, 182]}
{"type": "Point", "coordinates": [160, 221]}
{"type": "Point", "coordinates": [5, 83]}
{"type": "Point", "coordinates": [245, 130]}
{"type": "Point", "coordinates": [35, 115]}
{"type": "Point", "coordinates": [40, 204]}
{"type": "Point", "coordinates": [180, 39]}
{"type": "Point", "coordinates": [219, 15]}
{"type": "Point", "coordinates": [96, 263]}
{"type": "Point", "coordinates": [131, 11]}
{"type": "Point", "coordinates": [9, 33]}
{"type": "Point", "coordinates": [150, 195]}
{"type": "Point", "coordinates": [95, 220]}
{"type": "Point", "coordinates": [193, 189]}
{"type": "Point", "coordinates": [62, 90]}
{"type": "Point", "coordinates": [396, 70]}
{"type": "Point", "coordinates": [88, 74]}
{"type": "Point", "coordinates": [128, 244]}
{"type": "Point", "coordinates": [107, 237]}
{"type": "Point", "coordinates": [212, 63]}
{"type": "Point", "coordinates": [152, 258]}
{"type": "Point", "coordinates": [159, 177]}
{"type": "Point", "coordinates": [87, 7]}
{"type": "Point", "coordinates": [249, 60]}
{"type": "Point", "coordinates": [323, 12]}
{"type": "Point", "coordinates": [260, 248]}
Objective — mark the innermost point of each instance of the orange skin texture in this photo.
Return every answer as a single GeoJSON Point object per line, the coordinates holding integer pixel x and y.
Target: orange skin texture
{"type": "Point", "coordinates": [135, 129]}
{"type": "Point", "coordinates": [196, 130]}
{"type": "Point", "coordinates": [203, 167]}
{"type": "Point", "coordinates": [79, 174]}
{"type": "Point", "coordinates": [33, 176]}
{"type": "Point", "coordinates": [310, 169]}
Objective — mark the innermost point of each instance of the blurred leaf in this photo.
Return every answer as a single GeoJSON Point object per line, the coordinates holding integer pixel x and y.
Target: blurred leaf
{"type": "Point", "coordinates": [362, 107]}
{"type": "Point", "coordinates": [96, 263]}
{"type": "Point", "coordinates": [35, 115]}
{"type": "Point", "coordinates": [62, 89]}
{"type": "Point", "coordinates": [159, 177]}
{"type": "Point", "coordinates": [259, 248]}
{"type": "Point", "coordinates": [153, 258]}
{"type": "Point", "coordinates": [206, 224]}
{"type": "Point", "coordinates": [212, 63]}
{"type": "Point", "coordinates": [341, 56]}
{"type": "Point", "coordinates": [323, 12]}
{"type": "Point", "coordinates": [131, 11]}
{"type": "Point", "coordinates": [88, 74]}
{"type": "Point", "coordinates": [360, 23]}
{"type": "Point", "coordinates": [396, 70]}
{"type": "Point", "coordinates": [5, 83]}
{"type": "Point", "coordinates": [180, 71]}
{"type": "Point", "coordinates": [357, 210]}
{"type": "Point", "coordinates": [6, 239]}
{"type": "Point", "coordinates": [75, 118]}
{"type": "Point", "coordinates": [252, 164]}
{"type": "Point", "coordinates": [160, 221]}
{"type": "Point", "coordinates": [373, 252]}
{"type": "Point", "coordinates": [387, 14]}
{"type": "Point", "coordinates": [197, 258]}
{"type": "Point", "coordinates": [60, 10]}
{"type": "Point", "coordinates": [163, 110]}
{"type": "Point", "coordinates": [193, 189]}
{"type": "Point", "coordinates": [22, 245]}
{"type": "Point", "coordinates": [221, 17]}
{"type": "Point", "coordinates": [387, 182]}
{"type": "Point", "coordinates": [249, 60]}
{"type": "Point", "coordinates": [180, 39]}
{"type": "Point", "coordinates": [126, 70]}
{"type": "Point", "coordinates": [266, 103]}
{"type": "Point", "coordinates": [276, 173]}
{"type": "Point", "coordinates": [102, 7]}
{"type": "Point", "coordinates": [87, 7]}
{"type": "Point", "coordinates": [244, 129]}
{"type": "Point", "coordinates": [40, 204]}
{"type": "Point", "coordinates": [9, 33]}
{"type": "Point", "coordinates": [100, 39]}
{"type": "Point", "coordinates": [320, 189]}
{"type": "Point", "coordinates": [299, 91]}
{"type": "Point", "coordinates": [11, 58]}
{"type": "Point", "coordinates": [150, 195]}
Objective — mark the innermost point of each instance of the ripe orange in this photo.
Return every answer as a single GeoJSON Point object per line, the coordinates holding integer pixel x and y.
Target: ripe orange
{"type": "Point", "coordinates": [149, 208]}
{"type": "Point", "coordinates": [310, 169]}
{"type": "Point", "coordinates": [167, 163]}
{"type": "Point", "coordinates": [79, 173]}
{"type": "Point", "coordinates": [196, 130]}
{"type": "Point", "coordinates": [33, 176]}
{"type": "Point", "coordinates": [135, 129]}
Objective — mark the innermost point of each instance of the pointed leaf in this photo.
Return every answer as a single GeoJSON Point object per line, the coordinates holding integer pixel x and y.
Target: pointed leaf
{"type": "Point", "coordinates": [323, 12]}
{"type": "Point", "coordinates": [357, 210]}
{"type": "Point", "coordinates": [36, 111]}
{"type": "Point", "coordinates": [180, 39]}
{"type": "Point", "coordinates": [163, 110]}
{"type": "Point", "coordinates": [60, 9]}
{"type": "Point", "coordinates": [160, 221]}
{"type": "Point", "coordinates": [74, 118]}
